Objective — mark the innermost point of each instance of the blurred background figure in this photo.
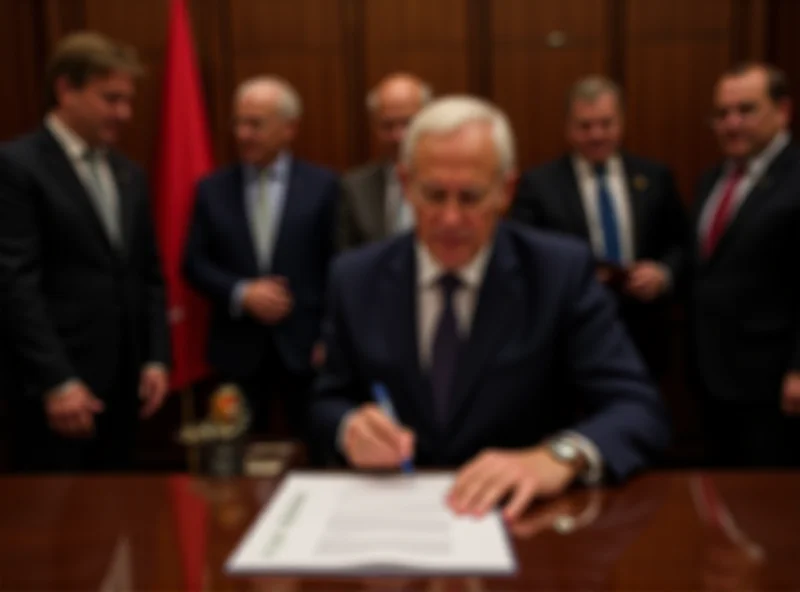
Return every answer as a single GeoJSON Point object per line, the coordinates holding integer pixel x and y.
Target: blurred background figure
{"type": "Point", "coordinates": [373, 206]}
{"type": "Point", "coordinates": [745, 298]}
{"type": "Point", "coordinates": [259, 247]}
{"type": "Point", "coordinates": [626, 207]}
{"type": "Point", "coordinates": [83, 294]}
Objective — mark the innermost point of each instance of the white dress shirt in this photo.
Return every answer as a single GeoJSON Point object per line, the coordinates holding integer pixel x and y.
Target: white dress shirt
{"type": "Point", "coordinates": [105, 198]}
{"type": "Point", "coordinates": [277, 181]}
{"type": "Point", "coordinates": [430, 299]}
{"type": "Point", "coordinates": [277, 187]}
{"type": "Point", "coordinates": [754, 170]}
{"type": "Point", "coordinates": [618, 188]}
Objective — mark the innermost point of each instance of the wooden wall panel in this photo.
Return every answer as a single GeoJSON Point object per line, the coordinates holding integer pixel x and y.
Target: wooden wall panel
{"type": "Point", "coordinates": [21, 68]}
{"type": "Point", "coordinates": [675, 49]}
{"type": "Point", "coordinates": [784, 49]}
{"type": "Point", "coordinates": [302, 41]}
{"type": "Point", "coordinates": [538, 49]}
{"type": "Point", "coordinates": [145, 28]}
{"type": "Point", "coordinates": [428, 38]}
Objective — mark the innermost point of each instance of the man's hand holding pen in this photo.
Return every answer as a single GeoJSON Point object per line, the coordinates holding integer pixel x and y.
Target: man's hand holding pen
{"type": "Point", "coordinates": [374, 440]}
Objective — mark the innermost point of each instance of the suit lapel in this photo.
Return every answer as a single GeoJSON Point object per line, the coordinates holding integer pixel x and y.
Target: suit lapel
{"type": "Point", "coordinates": [292, 207]}
{"type": "Point", "coordinates": [123, 178]}
{"type": "Point", "coordinates": [499, 304]}
{"type": "Point", "coordinates": [755, 199]}
{"type": "Point", "coordinates": [638, 186]}
{"type": "Point", "coordinates": [240, 217]}
{"type": "Point", "coordinates": [398, 291]}
{"type": "Point", "coordinates": [68, 183]}
{"type": "Point", "coordinates": [571, 196]}
{"type": "Point", "coordinates": [373, 203]}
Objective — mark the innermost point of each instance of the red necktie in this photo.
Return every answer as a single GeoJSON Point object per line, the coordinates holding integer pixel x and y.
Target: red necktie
{"type": "Point", "coordinates": [722, 214]}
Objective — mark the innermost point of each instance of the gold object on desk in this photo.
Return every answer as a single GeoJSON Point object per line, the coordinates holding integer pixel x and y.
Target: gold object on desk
{"type": "Point", "coordinates": [220, 437]}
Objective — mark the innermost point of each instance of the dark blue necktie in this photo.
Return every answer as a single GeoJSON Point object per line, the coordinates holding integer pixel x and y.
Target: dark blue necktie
{"type": "Point", "coordinates": [446, 344]}
{"type": "Point", "coordinates": [608, 216]}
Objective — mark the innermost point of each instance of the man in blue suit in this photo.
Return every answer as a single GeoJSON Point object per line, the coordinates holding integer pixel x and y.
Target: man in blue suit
{"type": "Point", "coordinates": [259, 247]}
{"type": "Point", "coordinates": [499, 349]}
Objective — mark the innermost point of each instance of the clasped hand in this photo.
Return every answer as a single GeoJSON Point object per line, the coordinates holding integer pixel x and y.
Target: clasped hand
{"type": "Point", "coordinates": [268, 299]}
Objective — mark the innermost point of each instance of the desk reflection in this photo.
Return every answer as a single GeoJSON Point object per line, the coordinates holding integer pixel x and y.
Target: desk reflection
{"type": "Point", "coordinates": [669, 531]}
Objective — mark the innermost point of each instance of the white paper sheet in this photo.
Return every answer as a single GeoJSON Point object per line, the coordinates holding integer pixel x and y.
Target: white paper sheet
{"type": "Point", "coordinates": [349, 524]}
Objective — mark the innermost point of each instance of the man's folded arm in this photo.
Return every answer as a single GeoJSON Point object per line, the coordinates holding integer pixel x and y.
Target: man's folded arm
{"type": "Point", "coordinates": [624, 415]}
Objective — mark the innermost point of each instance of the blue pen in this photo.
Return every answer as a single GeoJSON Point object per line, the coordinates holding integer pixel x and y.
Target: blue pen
{"type": "Point", "coordinates": [381, 395]}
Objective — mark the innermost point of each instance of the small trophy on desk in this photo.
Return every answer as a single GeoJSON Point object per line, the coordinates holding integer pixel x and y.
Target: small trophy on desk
{"type": "Point", "coordinates": [218, 441]}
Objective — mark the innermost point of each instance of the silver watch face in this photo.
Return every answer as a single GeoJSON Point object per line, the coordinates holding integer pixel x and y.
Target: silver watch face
{"type": "Point", "coordinates": [564, 450]}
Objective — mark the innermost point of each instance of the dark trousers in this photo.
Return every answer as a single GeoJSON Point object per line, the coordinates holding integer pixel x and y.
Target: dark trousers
{"type": "Point", "coordinates": [278, 398]}
{"type": "Point", "coordinates": [35, 447]}
{"type": "Point", "coordinates": [649, 329]}
{"type": "Point", "coordinates": [751, 435]}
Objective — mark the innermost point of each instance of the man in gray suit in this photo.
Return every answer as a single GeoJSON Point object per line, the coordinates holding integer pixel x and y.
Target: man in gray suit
{"type": "Point", "coordinates": [372, 205]}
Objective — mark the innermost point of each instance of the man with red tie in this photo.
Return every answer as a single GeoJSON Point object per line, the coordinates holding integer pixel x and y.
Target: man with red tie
{"type": "Point", "coordinates": [745, 301]}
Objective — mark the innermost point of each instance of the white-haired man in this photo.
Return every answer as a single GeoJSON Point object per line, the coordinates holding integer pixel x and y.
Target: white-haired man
{"type": "Point", "coordinates": [499, 349]}
{"type": "Point", "coordinates": [258, 247]}
{"type": "Point", "coordinates": [372, 206]}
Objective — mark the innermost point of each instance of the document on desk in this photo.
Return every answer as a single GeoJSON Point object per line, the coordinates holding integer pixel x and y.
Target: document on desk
{"type": "Point", "coordinates": [353, 524]}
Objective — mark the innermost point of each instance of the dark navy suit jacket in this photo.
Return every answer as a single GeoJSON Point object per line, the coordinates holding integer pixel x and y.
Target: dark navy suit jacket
{"type": "Point", "coordinates": [73, 304]}
{"type": "Point", "coordinates": [744, 309]}
{"type": "Point", "coordinates": [220, 253]}
{"type": "Point", "coordinates": [545, 352]}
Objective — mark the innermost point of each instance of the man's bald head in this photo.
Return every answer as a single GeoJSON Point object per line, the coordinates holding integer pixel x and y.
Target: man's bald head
{"type": "Point", "coordinates": [393, 103]}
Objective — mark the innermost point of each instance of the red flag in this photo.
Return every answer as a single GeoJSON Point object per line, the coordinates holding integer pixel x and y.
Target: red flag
{"type": "Point", "coordinates": [184, 157]}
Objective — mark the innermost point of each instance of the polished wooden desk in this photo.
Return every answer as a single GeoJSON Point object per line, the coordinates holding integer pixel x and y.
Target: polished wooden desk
{"type": "Point", "coordinates": [668, 531]}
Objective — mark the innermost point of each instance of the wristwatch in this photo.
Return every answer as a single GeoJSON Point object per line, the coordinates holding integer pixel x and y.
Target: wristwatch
{"type": "Point", "coordinates": [564, 450]}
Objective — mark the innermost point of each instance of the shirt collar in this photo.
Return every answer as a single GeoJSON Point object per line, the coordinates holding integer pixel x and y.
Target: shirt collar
{"type": "Point", "coordinates": [429, 270]}
{"type": "Point", "coordinates": [75, 146]}
{"type": "Point", "coordinates": [277, 170]}
{"type": "Point", "coordinates": [760, 163]}
{"type": "Point", "coordinates": [584, 168]}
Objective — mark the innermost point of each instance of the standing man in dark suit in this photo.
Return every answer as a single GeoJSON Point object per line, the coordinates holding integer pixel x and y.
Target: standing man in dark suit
{"type": "Point", "coordinates": [488, 336]}
{"type": "Point", "coordinates": [372, 206]}
{"type": "Point", "coordinates": [259, 247]}
{"type": "Point", "coordinates": [83, 298]}
{"type": "Point", "coordinates": [625, 206]}
{"type": "Point", "coordinates": [745, 306]}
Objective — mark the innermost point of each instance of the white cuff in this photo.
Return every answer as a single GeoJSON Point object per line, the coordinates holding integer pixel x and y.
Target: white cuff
{"type": "Point", "coordinates": [342, 430]}
{"type": "Point", "coordinates": [62, 388]}
{"type": "Point", "coordinates": [593, 473]}
{"type": "Point", "coordinates": [237, 296]}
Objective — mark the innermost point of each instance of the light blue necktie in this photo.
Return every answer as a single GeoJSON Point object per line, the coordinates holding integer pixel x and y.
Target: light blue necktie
{"type": "Point", "coordinates": [261, 221]}
{"type": "Point", "coordinates": [608, 216]}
